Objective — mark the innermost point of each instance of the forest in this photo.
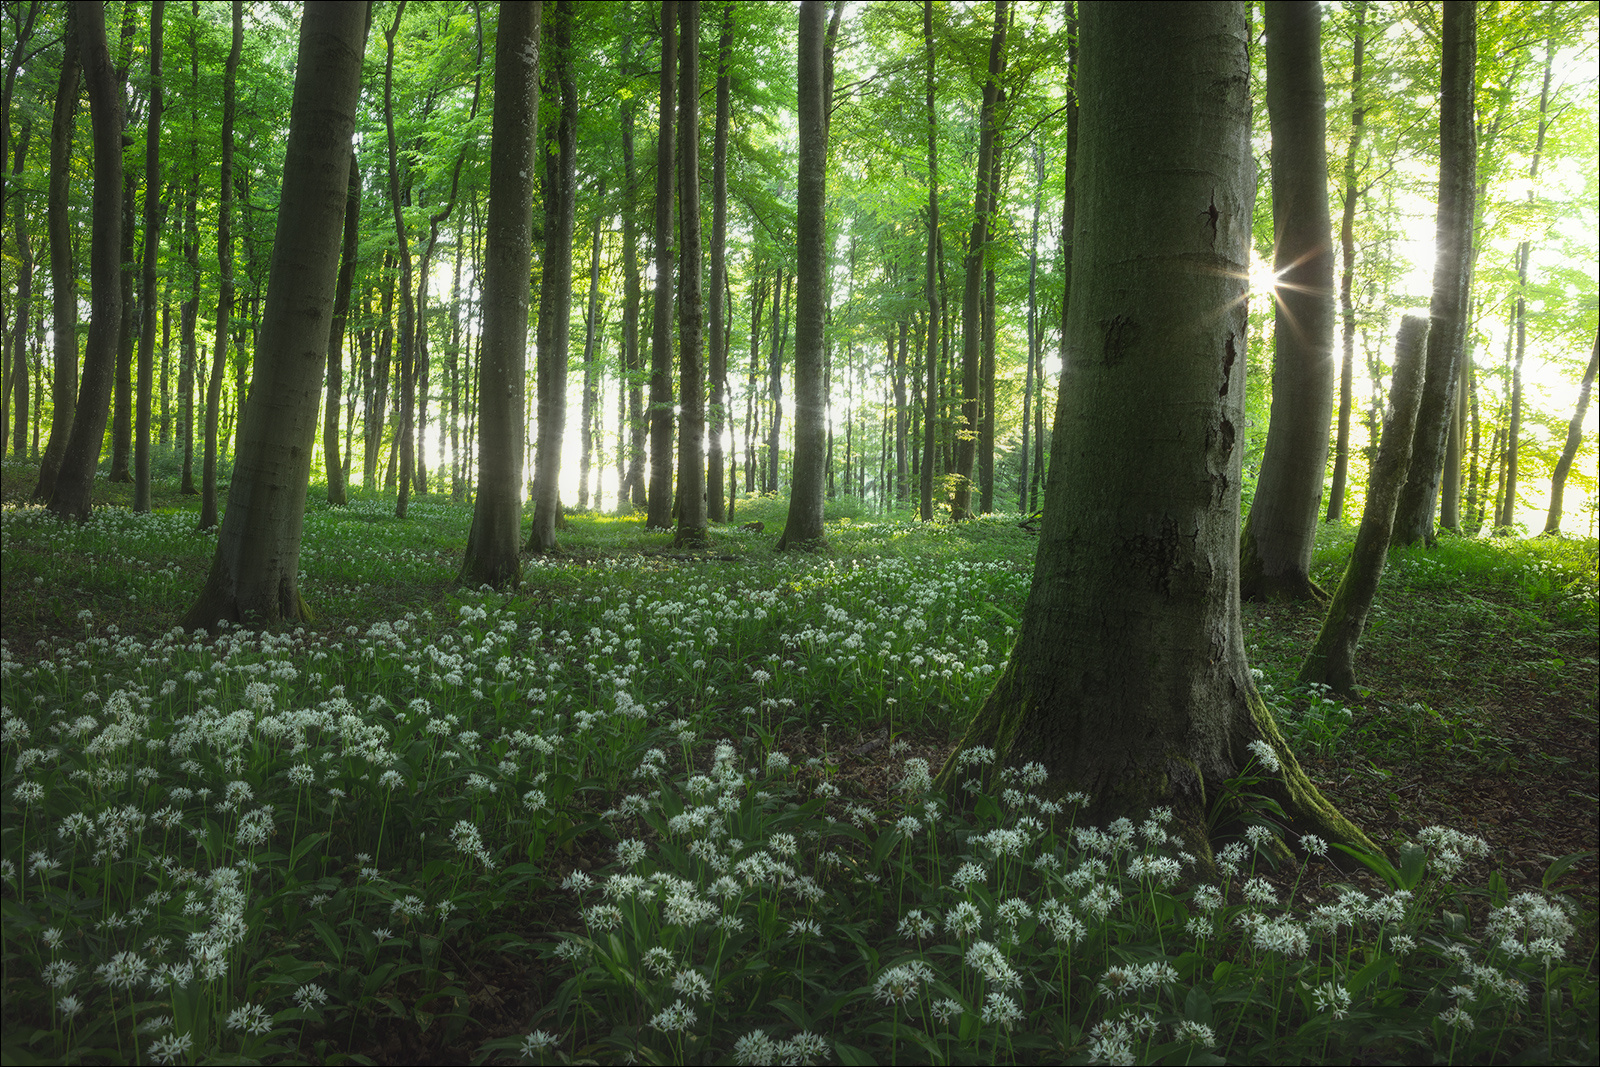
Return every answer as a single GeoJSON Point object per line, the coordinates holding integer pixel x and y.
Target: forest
{"type": "Point", "coordinates": [821, 532]}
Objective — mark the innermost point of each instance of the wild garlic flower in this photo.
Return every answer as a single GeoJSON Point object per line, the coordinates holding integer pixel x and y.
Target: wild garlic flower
{"type": "Point", "coordinates": [678, 1017]}
{"type": "Point", "coordinates": [692, 984]}
{"type": "Point", "coordinates": [172, 1048]}
{"type": "Point", "coordinates": [1266, 756]}
{"type": "Point", "coordinates": [915, 925]}
{"type": "Point", "coordinates": [251, 1019]}
{"type": "Point", "coordinates": [1197, 1033]}
{"type": "Point", "coordinates": [755, 1049]}
{"type": "Point", "coordinates": [1333, 998]}
{"type": "Point", "coordinates": [1002, 1011]}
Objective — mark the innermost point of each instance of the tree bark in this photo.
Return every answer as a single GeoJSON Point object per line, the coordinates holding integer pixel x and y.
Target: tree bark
{"type": "Point", "coordinates": [1347, 246]}
{"type": "Point", "coordinates": [1280, 533]}
{"type": "Point", "coordinates": [349, 248]}
{"type": "Point", "coordinates": [632, 488]}
{"type": "Point", "coordinates": [930, 397]}
{"type": "Point", "coordinates": [147, 293]}
{"type": "Point", "coordinates": [75, 480]}
{"type": "Point", "coordinates": [225, 284]}
{"type": "Point", "coordinates": [560, 212]}
{"type": "Point", "coordinates": [254, 574]}
{"type": "Point", "coordinates": [972, 293]}
{"type": "Point", "coordinates": [63, 278]}
{"type": "Point", "coordinates": [1452, 273]}
{"type": "Point", "coordinates": [17, 378]}
{"type": "Point", "coordinates": [1129, 679]}
{"type": "Point", "coordinates": [1558, 478]}
{"type": "Point", "coordinates": [403, 454]}
{"type": "Point", "coordinates": [493, 542]}
{"type": "Point", "coordinates": [1331, 661]}
{"type": "Point", "coordinates": [804, 529]}
{"type": "Point", "coordinates": [692, 512]}
{"type": "Point", "coordinates": [716, 510]}
{"type": "Point", "coordinates": [591, 327]}
{"type": "Point", "coordinates": [658, 515]}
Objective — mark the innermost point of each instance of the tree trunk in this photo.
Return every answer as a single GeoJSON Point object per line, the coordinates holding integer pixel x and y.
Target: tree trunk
{"type": "Point", "coordinates": [560, 212]}
{"type": "Point", "coordinates": [782, 290]}
{"type": "Point", "coordinates": [972, 293]}
{"type": "Point", "coordinates": [804, 526]}
{"type": "Point", "coordinates": [1347, 245]}
{"type": "Point", "coordinates": [403, 454]}
{"type": "Point", "coordinates": [632, 487]}
{"type": "Point", "coordinates": [75, 480]}
{"type": "Point", "coordinates": [1452, 273]}
{"type": "Point", "coordinates": [1281, 531]}
{"type": "Point", "coordinates": [658, 515]}
{"type": "Point", "coordinates": [591, 327]}
{"type": "Point", "coordinates": [716, 511]}
{"type": "Point", "coordinates": [147, 294]}
{"type": "Point", "coordinates": [930, 398]}
{"type": "Point", "coordinates": [255, 573]}
{"type": "Point", "coordinates": [63, 278]}
{"type": "Point", "coordinates": [1331, 661]}
{"type": "Point", "coordinates": [1558, 478]}
{"type": "Point", "coordinates": [1138, 553]}
{"type": "Point", "coordinates": [692, 513]}
{"type": "Point", "coordinates": [341, 311]}
{"type": "Point", "coordinates": [492, 545]}
{"type": "Point", "coordinates": [1033, 325]}
{"type": "Point", "coordinates": [17, 381]}
{"type": "Point", "coordinates": [225, 287]}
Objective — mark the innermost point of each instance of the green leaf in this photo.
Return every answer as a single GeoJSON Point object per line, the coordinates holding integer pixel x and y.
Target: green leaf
{"type": "Point", "coordinates": [1560, 867]}
{"type": "Point", "coordinates": [1376, 864]}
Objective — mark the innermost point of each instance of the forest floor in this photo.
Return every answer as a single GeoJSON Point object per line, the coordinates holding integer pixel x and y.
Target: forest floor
{"type": "Point", "coordinates": [1479, 706]}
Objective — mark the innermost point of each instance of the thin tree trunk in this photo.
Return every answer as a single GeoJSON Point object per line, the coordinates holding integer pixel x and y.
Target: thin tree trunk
{"type": "Point", "coordinates": [403, 453]}
{"type": "Point", "coordinates": [1347, 246]}
{"type": "Point", "coordinates": [1558, 478]}
{"type": "Point", "coordinates": [633, 486]}
{"type": "Point", "coordinates": [152, 246]}
{"type": "Point", "coordinates": [659, 512]}
{"type": "Point", "coordinates": [219, 347]}
{"type": "Point", "coordinates": [719, 310]}
{"type": "Point", "coordinates": [591, 328]}
{"type": "Point", "coordinates": [692, 512]}
{"type": "Point", "coordinates": [17, 381]}
{"type": "Point", "coordinates": [349, 249]}
{"type": "Point", "coordinates": [1033, 325]}
{"type": "Point", "coordinates": [1452, 273]}
{"type": "Point", "coordinates": [1331, 661]}
{"type": "Point", "coordinates": [930, 397]}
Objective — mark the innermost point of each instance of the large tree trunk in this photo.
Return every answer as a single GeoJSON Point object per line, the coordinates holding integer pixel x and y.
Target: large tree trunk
{"type": "Point", "coordinates": [75, 480]}
{"type": "Point", "coordinates": [63, 278]}
{"type": "Point", "coordinates": [341, 311]}
{"type": "Point", "coordinates": [554, 339]}
{"type": "Point", "coordinates": [225, 287]}
{"type": "Point", "coordinates": [1281, 531]}
{"type": "Point", "coordinates": [972, 292]}
{"type": "Point", "coordinates": [658, 515]}
{"type": "Point", "coordinates": [1331, 661]}
{"type": "Point", "coordinates": [1558, 478]}
{"type": "Point", "coordinates": [147, 288]}
{"type": "Point", "coordinates": [804, 526]}
{"type": "Point", "coordinates": [716, 511]}
{"type": "Point", "coordinates": [1129, 679]}
{"type": "Point", "coordinates": [1452, 273]}
{"type": "Point", "coordinates": [692, 516]}
{"type": "Point", "coordinates": [255, 573]}
{"type": "Point", "coordinates": [494, 540]}
{"type": "Point", "coordinates": [1347, 246]}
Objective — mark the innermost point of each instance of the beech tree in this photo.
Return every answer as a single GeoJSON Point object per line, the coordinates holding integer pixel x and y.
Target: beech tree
{"type": "Point", "coordinates": [803, 528]}
{"type": "Point", "coordinates": [1129, 679]}
{"type": "Point", "coordinates": [255, 572]}
{"type": "Point", "coordinates": [495, 538]}
{"type": "Point", "coordinates": [692, 512]}
{"type": "Point", "coordinates": [658, 515]}
{"type": "Point", "coordinates": [1281, 530]}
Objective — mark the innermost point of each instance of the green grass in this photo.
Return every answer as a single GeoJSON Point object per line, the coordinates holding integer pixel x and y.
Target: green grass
{"type": "Point", "coordinates": [635, 811]}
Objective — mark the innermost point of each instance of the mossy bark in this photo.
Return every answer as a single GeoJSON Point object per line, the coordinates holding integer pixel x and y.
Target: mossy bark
{"type": "Point", "coordinates": [1129, 679]}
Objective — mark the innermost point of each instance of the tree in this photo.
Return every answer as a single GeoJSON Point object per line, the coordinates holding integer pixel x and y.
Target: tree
{"type": "Point", "coordinates": [692, 513]}
{"type": "Point", "coordinates": [225, 281]}
{"type": "Point", "coordinates": [1347, 246]}
{"type": "Point", "coordinates": [984, 197]}
{"type": "Point", "coordinates": [71, 498]}
{"type": "Point", "coordinates": [804, 525]}
{"type": "Point", "coordinates": [254, 574]}
{"type": "Point", "coordinates": [147, 277]}
{"type": "Point", "coordinates": [1452, 274]}
{"type": "Point", "coordinates": [1129, 679]}
{"type": "Point", "coordinates": [931, 394]}
{"type": "Point", "coordinates": [341, 312]}
{"type": "Point", "coordinates": [494, 540]}
{"type": "Point", "coordinates": [556, 300]}
{"type": "Point", "coordinates": [658, 515]}
{"type": "Point", "coordinates": [1281, 531]}
{"type": "Point", "coordinates": [719, 304]}
{"type": "Point", "coordinates": [1331, 661]}
{"type": "Point", "coordinates": [63, 278]}
{"type": "Point", "coordinates": [1558, 479]}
